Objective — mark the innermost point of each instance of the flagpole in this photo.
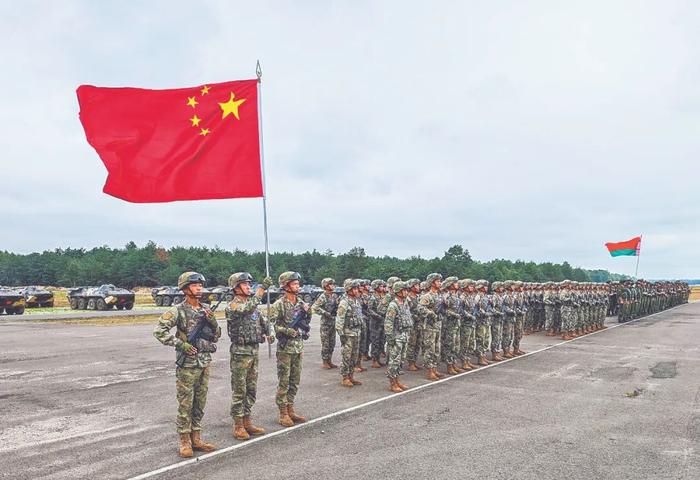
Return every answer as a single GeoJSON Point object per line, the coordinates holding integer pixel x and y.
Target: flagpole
{"type": "Point", "coordinates": [639, 254]}
{"type": "Point", "coordinates": [258, 72]}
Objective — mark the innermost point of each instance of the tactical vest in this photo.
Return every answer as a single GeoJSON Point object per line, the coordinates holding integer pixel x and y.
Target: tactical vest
{"type": "Point", "coordinates": [245, 329]}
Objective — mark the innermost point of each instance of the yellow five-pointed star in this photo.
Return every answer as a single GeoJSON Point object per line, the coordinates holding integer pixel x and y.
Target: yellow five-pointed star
{"type": "Point", "coordinates": [191, 101]}
{"type": "Point", "coordinates": [231, 106]}
{"type": "Point", "coordinates": [205, 90]}
{"type": "Point", "coordinates": [204, 132]}
{"type": "Point", "coordinates": [195, 121]}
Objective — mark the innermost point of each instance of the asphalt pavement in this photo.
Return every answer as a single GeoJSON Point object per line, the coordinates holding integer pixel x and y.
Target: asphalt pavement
{"type": "Point", "coordinates": [85, 401]}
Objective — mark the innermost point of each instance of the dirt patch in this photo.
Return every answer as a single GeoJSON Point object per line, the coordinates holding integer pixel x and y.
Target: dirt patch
{"type": "Point", "coordinates": [664, 370]}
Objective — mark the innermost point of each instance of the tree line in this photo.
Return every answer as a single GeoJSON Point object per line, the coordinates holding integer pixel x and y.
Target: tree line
{"type": "Point", "coordinates": [152, 265]}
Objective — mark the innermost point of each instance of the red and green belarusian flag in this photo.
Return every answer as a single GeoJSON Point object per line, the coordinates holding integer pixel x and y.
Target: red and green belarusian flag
{"type": "Point", "coordinates": [630, 247]}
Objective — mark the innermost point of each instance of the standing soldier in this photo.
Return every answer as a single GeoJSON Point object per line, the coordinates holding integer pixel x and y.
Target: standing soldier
{"type": "Point", "coordinates": [549, 307]}
{"type": "Point", "coordinates": [348, 323]}
{"type": "Point", "coordinates": [568, 311]}
{"type": "Point", "coordinates": [397, 324]}
{"type": "Point", "coordinates": [497, 321]}
{"type": "Point", "coordinates": [193, 358]}
{"type": "Point", "coordinates": [467, 344]}
{"type": "Point", "coordinates": [450, 324]}
{"type": "Point", "coordinates": [483, 311]}
{"type": "Point", "coordinates": [415, 337]}
{"type": "Point", "coordinates": [508, 308]}
{"type": "Point", "coordinates": [326, 306]}
{"type": "Point", "coordinates": [247, 329]}
{"type": "Point", "coordinates": [430, 308]}
{"type": "Point", "coordinates": [520, 312]}
{"type": "Point", "coordinates": [289, 315]}
{"type": "Point", "coordinates": [363, 298]}
{"type": "Point", "coordinates": [377, 313]}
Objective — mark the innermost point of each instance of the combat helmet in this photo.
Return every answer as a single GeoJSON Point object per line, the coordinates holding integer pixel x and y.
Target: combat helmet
{"type": "Point", "coordinates": [412, 282]}
{"type": "Point", "coordinates": [188, 278]}
{"type": "Point", "coordinates": [378, 283]}
{"type": "Point", "coordinates": [432, 277]}
{"type": "Point", "coordinates": [327, 281]}
{"type": "Point", "coordinates": [238, 278]}
{"type": "Point", "coordinates": [287, 277]}
{"type": "Point", "coordinates": [398, 286]}
{"type": "Point", "coordinates": [448, 282]}
{"type": "Point", "coordinates": [391, 280]}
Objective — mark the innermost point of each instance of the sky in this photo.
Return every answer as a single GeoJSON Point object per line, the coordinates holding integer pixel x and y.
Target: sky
{"type": "Point", "coordinates": [532, 130]}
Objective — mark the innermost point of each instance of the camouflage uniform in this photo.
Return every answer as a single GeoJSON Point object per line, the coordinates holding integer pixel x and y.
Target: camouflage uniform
{"type": "Point", "coordinates": [326, 306]}
{"type": "Point", "coordinates": [508, 309]}
{"type": "Point", "coordinates": [520, 312]}
{"type": "Point", "coordinates": [193, 375]}
{"type": "Point", "coordinates": [290, 350]}
{"type": "Point", "coordinates": [497, 319]}
{"type": "Point", "coordinates": [428, 305]}
{"type": "Point", "coordinates": [397, 324]}
{"type": "Point", "coordinates": [348, 324]}
{"type": "Point", "coordinates": [484, 313]}
{"type": "Point", "coordinates": [449, 347]}
{"type": "Point", "coordinates": [415, 336]}
{"type": "Point", "coordinates": [467, 336]}
{"type": "Point", "coordinates": [568, 312]}
{"type": "Point", "coordinates": [377, 312]}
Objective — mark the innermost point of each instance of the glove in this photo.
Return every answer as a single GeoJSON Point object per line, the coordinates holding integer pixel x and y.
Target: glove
{"type": "Point", "coordinates": [185, 347]}
{"type": "Point", "coordinates": [267, 283]}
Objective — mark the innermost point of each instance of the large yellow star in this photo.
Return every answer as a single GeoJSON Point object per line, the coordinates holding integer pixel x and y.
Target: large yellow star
{"type": "Point", "coordinates": [231, 106]}
{"type": "Point", "coordinates": [191, 101]}
{"type": "Point", "coordinates": [195, 121]}
{"type": "Point", "coordinates": [205, 90]}
{"type": "Point", "coordinates": [204, 132]}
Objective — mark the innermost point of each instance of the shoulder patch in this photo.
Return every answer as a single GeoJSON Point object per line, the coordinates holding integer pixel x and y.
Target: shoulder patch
{"type": "Point", "coordinates": [168, 315]}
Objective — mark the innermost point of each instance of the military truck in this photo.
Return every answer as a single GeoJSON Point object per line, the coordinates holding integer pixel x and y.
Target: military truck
{"type": "Point", "coordinates": [36, 296]}
{"type": "Point", "coordinates": [11, 301]}
{"type": "Point", "coordinates": [104, 297]}
{"type": "Point", "coordinates": [165, 296]}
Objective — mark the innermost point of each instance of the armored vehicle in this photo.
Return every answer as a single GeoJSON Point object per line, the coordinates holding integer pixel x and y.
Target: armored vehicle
{"type": "Point", "coordinates": [104, 297]}
{"type": "Point", "coordinates": [166, 296]}
{"type": "Point", "coordinates": [223, 293]}
{"type": "Point", "coordinates": [11, 301]}
{"type": "Point", "coordinates": [309, 293]}
{"type": "Point", "coordinates": [37, 297]}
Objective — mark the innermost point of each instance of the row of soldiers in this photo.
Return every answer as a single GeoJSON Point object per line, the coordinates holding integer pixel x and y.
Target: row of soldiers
{"type": "Point", "coordinates": [639, 298]}
{"type": "Point", "coordinates": [441, 320]}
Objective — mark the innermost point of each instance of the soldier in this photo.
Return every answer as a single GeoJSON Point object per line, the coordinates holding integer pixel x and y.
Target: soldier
{"type": "Point", "coordinates": [508, 326]}
{"type": "Point", "coordinates": [467, 338]}
{"type": "Point", "coordinates": [483, 310]}
{"type": "Point", "coordinates": [377, 314]}
{"type": "Point", "coordinates": [497, 321]}
{"type": "Point", "coordinates": [451, 324]}
{"type": "Point", "coordinates": [549, 307]}
{"type": "Point", "coordinates": [247, 329]}
{"type": "Point", "coordinates": [289, 315]}
{"type": "Point", "coordinates": [193, 359]}
{"type": "Point", "coordinates": [430, 306]}
{"type": "Point", "coordinates": [348, 323]}
{"type": "Point", "coordinates": [415, 337]}
{"type": "Point", "coordinates": [363, 298]}
{"type": "Point", "coordinates": [568, 312]}
{"type": "Point", "coordinates": [397, 325]}
{"type": "Point", "coordinates": [326, 306]}
{"type": "Point", "coordinates": [520, 312]}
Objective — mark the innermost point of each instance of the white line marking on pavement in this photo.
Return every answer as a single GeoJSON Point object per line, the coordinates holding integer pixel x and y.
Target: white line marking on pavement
{"type": "Point", "coordinates": [287, 430]}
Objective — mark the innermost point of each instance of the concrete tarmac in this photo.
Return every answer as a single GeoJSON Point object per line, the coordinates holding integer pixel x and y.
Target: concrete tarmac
{"type": "Point", "coordinates": [98, 402]}
{"type": "Point", "coordinates": [76, 314]}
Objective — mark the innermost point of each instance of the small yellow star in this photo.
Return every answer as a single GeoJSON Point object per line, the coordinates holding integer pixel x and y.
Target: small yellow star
{"type": "Point", "coordinates": [204, 132]}
{"type": "Point", "coordinates": [231, 106]}
{"type": "Point", "coordinates": [195, 121]}
{"type": "Point", "coordinates": [191, 101]}
{"type": "Point", "coordinates": [205, 90]}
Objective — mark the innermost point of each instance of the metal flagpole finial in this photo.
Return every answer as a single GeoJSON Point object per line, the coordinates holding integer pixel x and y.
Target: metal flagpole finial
{"type": "Point", "coordinates": [258, 70]}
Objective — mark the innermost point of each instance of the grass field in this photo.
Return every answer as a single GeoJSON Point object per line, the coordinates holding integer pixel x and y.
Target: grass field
{"type": "Point", "coordinates": [694, 292]}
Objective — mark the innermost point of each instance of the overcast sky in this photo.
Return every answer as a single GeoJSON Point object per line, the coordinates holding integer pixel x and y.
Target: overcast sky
{"type": "Point", "coordinates": [534, 130]}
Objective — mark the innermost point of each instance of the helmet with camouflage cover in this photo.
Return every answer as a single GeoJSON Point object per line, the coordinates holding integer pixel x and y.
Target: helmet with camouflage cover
{"type": "Point", "coordinates": [327, 281]}
{"type": "Point", "coordinates": [287, 277]}
{"type": "Point", "coordinates": [351, 283]}
{"type": "Point", "coordinates": [496, 285]}
{"type": "Point", "coordinates": [378, 283]}
{"type": "Point", "coordinates": [423, 285]}
{"type": "Point", "coordinates": [448, 282]}
{"type": "Point", "coordinates": [398, 286]}
{"type": "Point", "coordinates": [508, 284]}
{"type": "Point", "coordinates": [465, 282]}
{"type": "Point", "coordinates": [412, 282]}
{"type": "Point", "coordinates": [482, 284]}
{"type": "Point", "coordinates": [238, 278]}
{"type": "Point", "coordinates": [391, 280]}
{"type": "Point", "coordinates": [188, 278]}
{"type": "Point", "coordinates": [432, 277]}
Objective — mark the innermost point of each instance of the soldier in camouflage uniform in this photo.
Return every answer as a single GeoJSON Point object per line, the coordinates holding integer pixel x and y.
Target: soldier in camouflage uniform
{"type": "Point", "coordinates": [483, 310]}
{"type": "Point", "coordinates": [246, 329]}
{"type": "Point", "coordinates": [497, 321]}
{"type": "Point", "coordinates": [192, 372]}
{"type": "Point", "coordinates": [508, 326]}
{"type": "Point", "coordinates": [290, 346]}
{"type": "Point", "coordinates": [377, 314]}
{"type": "Point", "coordinates": [430, 306]}
{"type": "Point", "coordinates": [520, 312]}
{"type": "Point", "coordinates": [397, 324]}
{"type": "Point", "coordinates": [326, 306]}
{"type": "Point", "coordinates": [364, 337]}
{"type": "Point", "coordinates": [549, 308]}
{"type": "Point", "coordinates": [467, 337]}
{"type": "Point", "coordinates": [450, 325]}
{"type": "Point", "coordinates": [568, 311]}
{"type": "Point", "coordinates": [415, 337]}
{"type": "Point", "coordinates": [348, 323]}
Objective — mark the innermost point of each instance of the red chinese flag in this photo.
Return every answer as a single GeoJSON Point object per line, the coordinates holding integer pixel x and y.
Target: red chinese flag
{"type": "Point", "coordinates": [181, 144]}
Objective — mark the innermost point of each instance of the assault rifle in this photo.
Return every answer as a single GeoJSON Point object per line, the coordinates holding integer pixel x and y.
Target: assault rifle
{"type": "Point", "coordinates": [300, 322]}
{"type": "Point", "coordinates": [202, 336]}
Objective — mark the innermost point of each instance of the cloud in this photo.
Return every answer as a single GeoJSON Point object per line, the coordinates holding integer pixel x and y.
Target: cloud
{"type": "Point", "coordinates": [535, 131]}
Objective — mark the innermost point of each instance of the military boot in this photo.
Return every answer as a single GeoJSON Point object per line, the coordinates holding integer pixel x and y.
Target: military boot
{"type": "Point", "coordinates": [506, 353]}
{"type": "Point", "coordinates": [432, 375]}
{"type": "Point", "coordinates": [326, 365]}
{"type": "Point", "coordinates": [199, 444]}
{"type": "Point", "coordinates": [185, 445]}
{"type": "Point", "coordinates": [482, 361]}
{"type": "Point", "coordinates": [437, 373]}
{"type": "Point", "coordinates": [376, 363]}
{"type": "Point", "coordinates": [466, 366]}
{"type": "Point", "coordinates": [365, 357]}
{"type": "Point", "coordinates": [412, 367]}
{"type": "Point", "coordinates": [401, 385]}
{"type": "Point", "coordinates": [284, 419]}
{"type": "Point", "coordinates": [359, 368]}
{"type": "Point", "coordinates": [293, 415]}
{"type": "Point", "coordinates": [518, 352]}
{"type": "Point", "coordinates": [393, 386]}
{"type": "Point", "coordinates": [347, 382]}
{"type": "Point", "coordinates": [495, 356]}
{"type": "Point", "coordinates": [354, 382]}
{"type": "Point", "coordinates": [451, 369]}
{"type": "Point", "coordinates": [250, 428]}
{"type": "Point", "coordinates": [239, 431]}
